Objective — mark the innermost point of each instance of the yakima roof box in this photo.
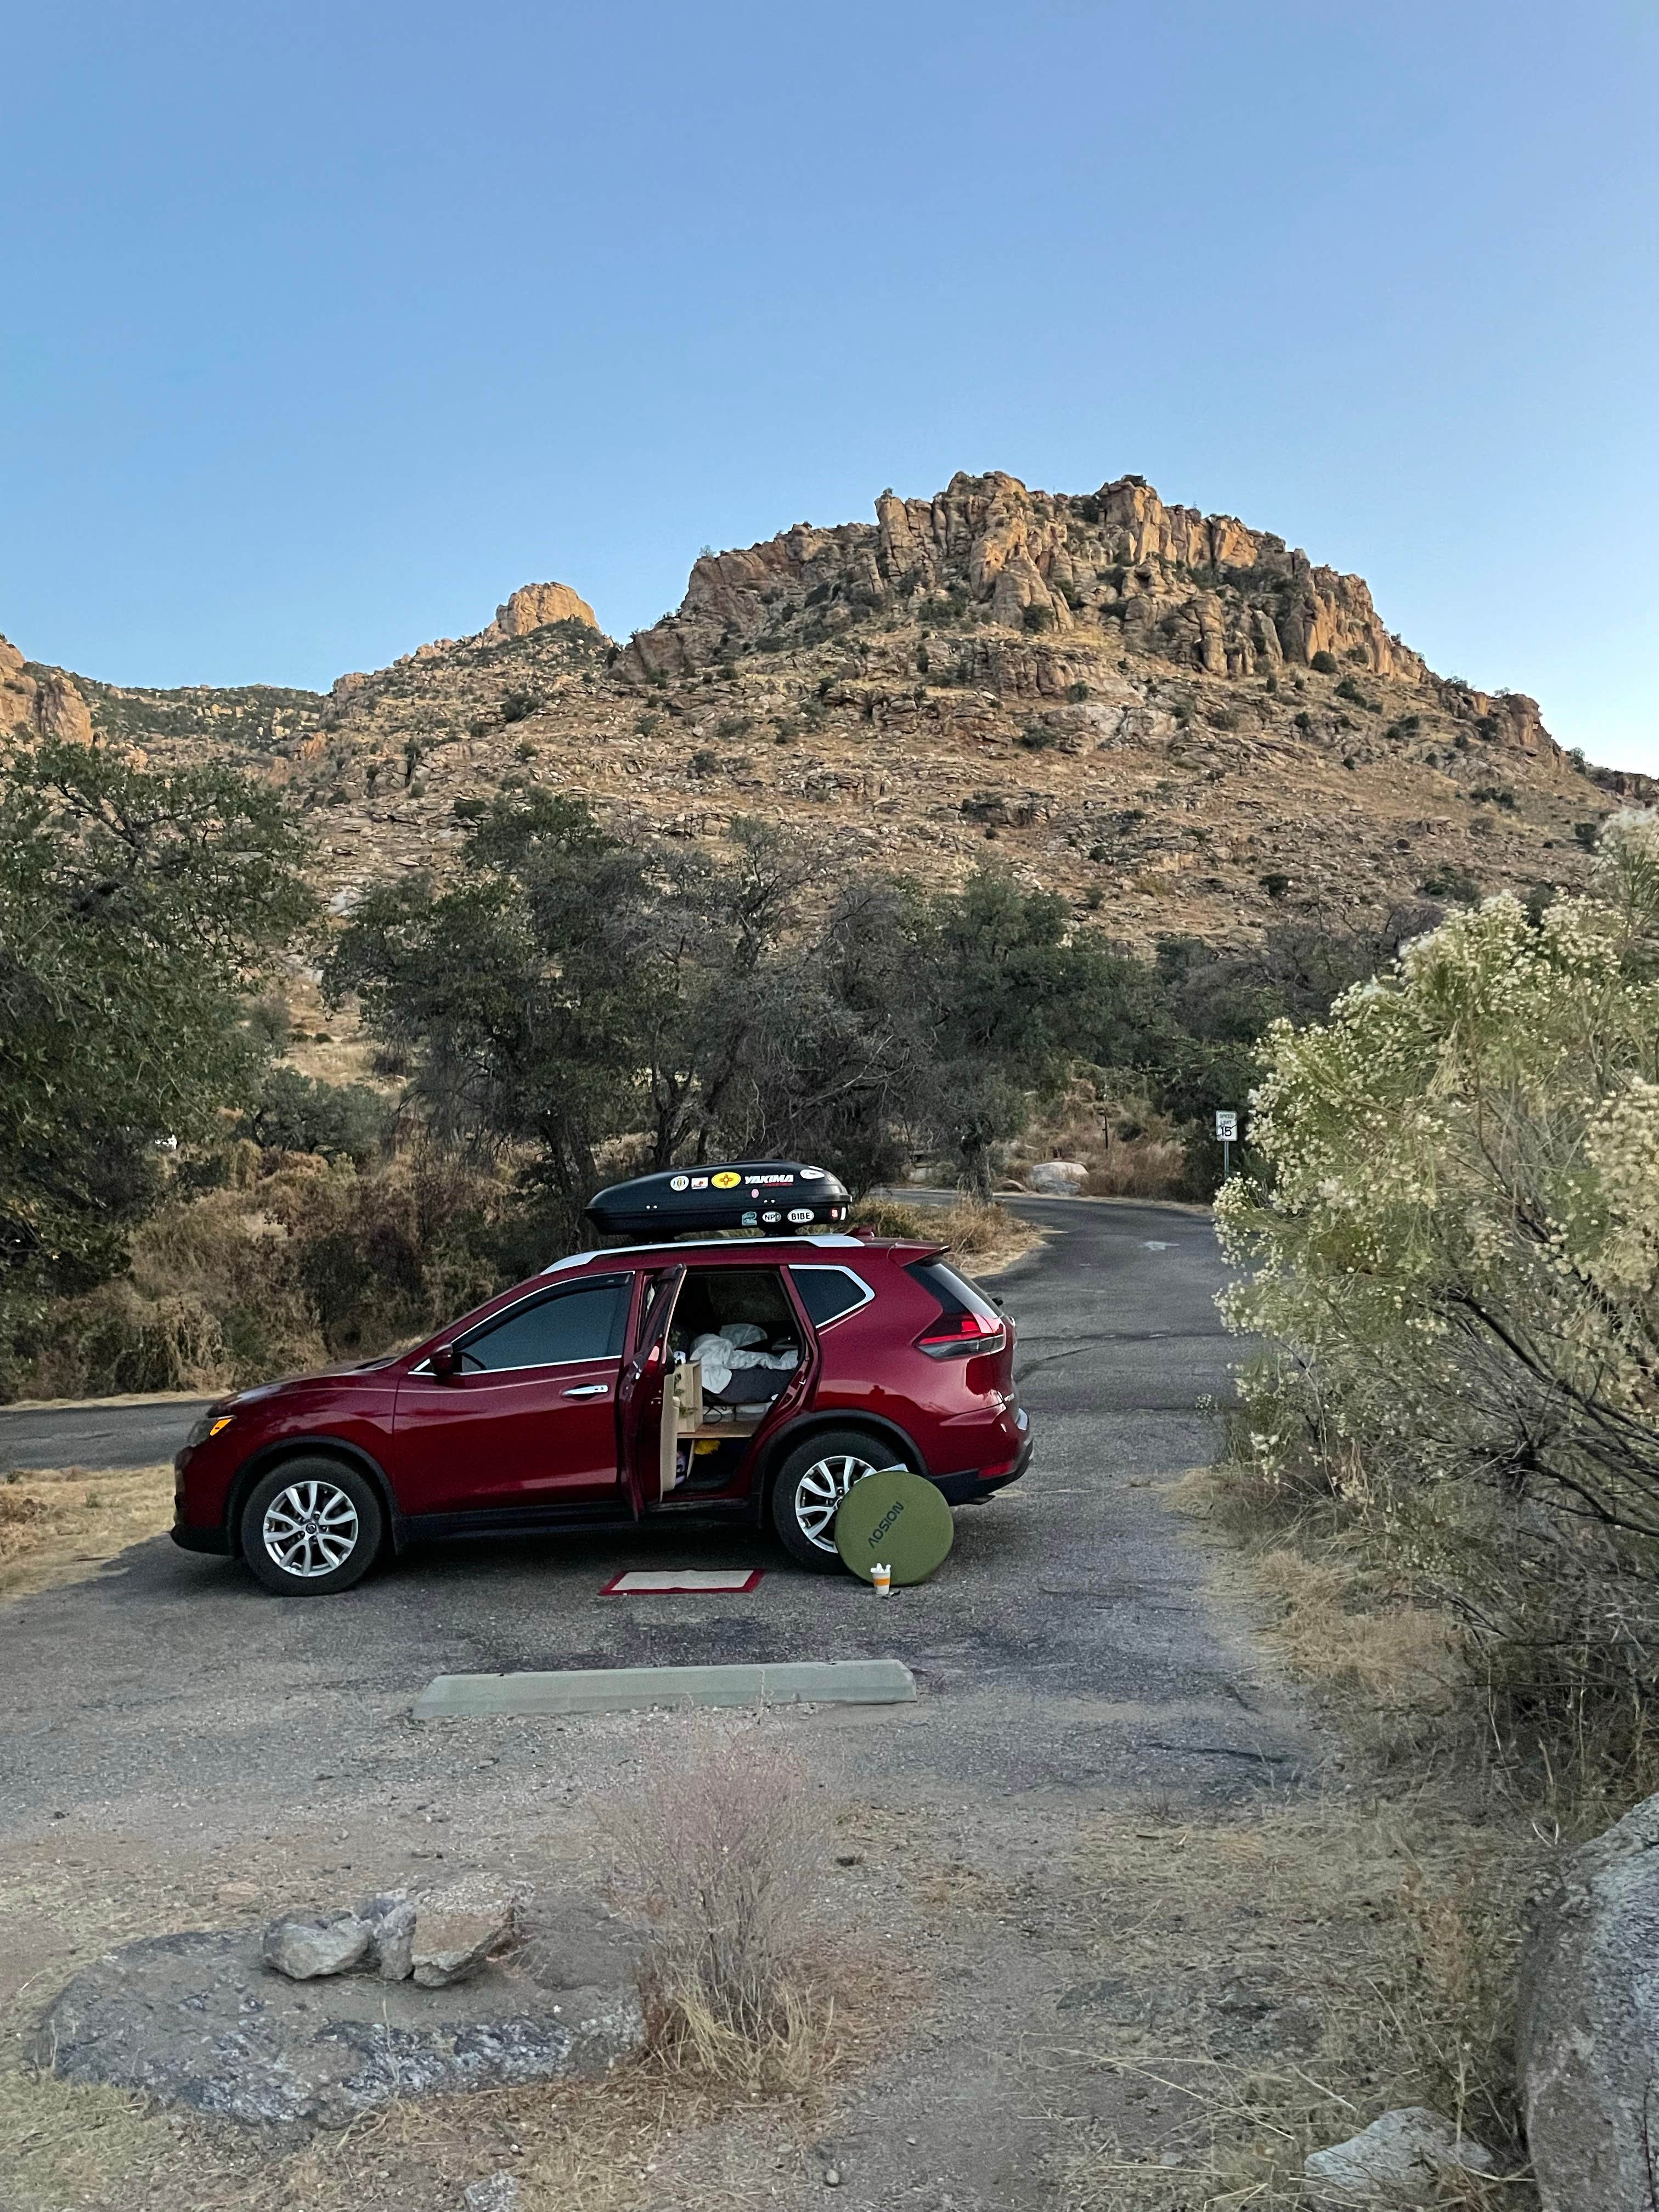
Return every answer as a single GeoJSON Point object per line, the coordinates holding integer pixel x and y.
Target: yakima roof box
{"type": "Point", "coordinates": [779, 1196]}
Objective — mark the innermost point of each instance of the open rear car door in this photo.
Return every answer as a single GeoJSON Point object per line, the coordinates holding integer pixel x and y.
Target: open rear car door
{"type": "Point", "coordinates": [641, 1408]}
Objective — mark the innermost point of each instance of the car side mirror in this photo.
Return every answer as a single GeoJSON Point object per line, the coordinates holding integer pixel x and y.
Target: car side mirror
{"type": "Point", "coordinates": [445, 1362]}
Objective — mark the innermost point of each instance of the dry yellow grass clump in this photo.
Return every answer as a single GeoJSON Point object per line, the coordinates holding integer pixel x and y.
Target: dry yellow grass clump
{"type": "Point", "coordinates": [62, 1526]}
{"type": "Point", "coordinates": [1332, 1958]}
{"type": "Point", "coordinates": [984, 1238]}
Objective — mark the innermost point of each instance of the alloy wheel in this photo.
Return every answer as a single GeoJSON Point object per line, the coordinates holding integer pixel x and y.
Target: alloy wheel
{"type": "Point", "coordinates": [310, 1529]}
{"type": "Point", "coordinates": [819, 1493]}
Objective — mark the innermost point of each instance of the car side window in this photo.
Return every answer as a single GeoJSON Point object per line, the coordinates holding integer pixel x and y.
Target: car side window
{"type": "Point", "coordinates": [584, 1323]}
{"type": "Point", "coordinates": [827, 1293]}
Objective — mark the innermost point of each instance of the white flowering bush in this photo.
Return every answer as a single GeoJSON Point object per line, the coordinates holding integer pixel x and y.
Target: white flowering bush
{"type": "Point", "coordinates": [1453, 1257]}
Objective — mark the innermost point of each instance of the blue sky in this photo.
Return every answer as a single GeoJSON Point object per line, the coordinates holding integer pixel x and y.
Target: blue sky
{"type": "Point", "coordinates": [323, 325]}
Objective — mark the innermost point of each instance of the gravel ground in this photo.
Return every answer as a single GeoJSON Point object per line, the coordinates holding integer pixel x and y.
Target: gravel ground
{"type": "Point", "coordinates": [171, 1731]}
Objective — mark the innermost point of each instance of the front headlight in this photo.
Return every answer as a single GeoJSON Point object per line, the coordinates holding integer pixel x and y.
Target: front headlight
{"type": "Point", "coordinates": [210, 1424]}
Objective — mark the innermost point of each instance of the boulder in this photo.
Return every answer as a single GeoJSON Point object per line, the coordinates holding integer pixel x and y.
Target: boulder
{"type": "Point", "coordinates": [1057, 1178]}
{"type": "Point", "coordinates": [390, 1922]}
{"type": "Point", "coordinates": [1402, 2158]}
{"type": "Point", "coordinates": [304, 1950]}
{"type": "Point", "coordinates": [1587, 2037]}
{"type": "Point", "coordinates": [448, 1946]}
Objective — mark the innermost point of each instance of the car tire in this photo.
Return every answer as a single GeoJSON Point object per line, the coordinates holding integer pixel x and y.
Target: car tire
{"type": "Point", "coordinates": [311, 1527]}
{"type": "Point", "coordinates": [809, 1486]}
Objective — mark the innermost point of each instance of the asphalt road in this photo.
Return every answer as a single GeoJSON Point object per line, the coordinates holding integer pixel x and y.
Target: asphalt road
{"type": "Point", "coordinates": [95, 1436]}
{"type": "Point", "coordinates": [1069, 1641]}
{"type": "Point", "coordinates": [173, 1739]}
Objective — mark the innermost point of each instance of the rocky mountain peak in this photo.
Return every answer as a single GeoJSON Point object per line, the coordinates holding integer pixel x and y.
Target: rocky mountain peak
{"type": "Point", "coordinates": [533, 606]}
{"type": "Point", "coordinates": [39, 702]}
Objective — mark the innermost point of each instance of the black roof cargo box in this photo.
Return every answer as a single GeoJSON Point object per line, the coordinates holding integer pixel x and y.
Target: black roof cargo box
{"type": "Point", "coordinates": [776, 1196]}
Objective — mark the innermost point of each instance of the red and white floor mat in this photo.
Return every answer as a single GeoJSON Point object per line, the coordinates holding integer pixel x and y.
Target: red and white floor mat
{"type": "Point", "coordinates": [682, 1582]}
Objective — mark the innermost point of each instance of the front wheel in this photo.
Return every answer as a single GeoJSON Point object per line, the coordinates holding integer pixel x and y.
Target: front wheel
{"type": "Point", "coordinates": [311, 1527]}
{"type": "Point", "coordinates": [810, 1485]}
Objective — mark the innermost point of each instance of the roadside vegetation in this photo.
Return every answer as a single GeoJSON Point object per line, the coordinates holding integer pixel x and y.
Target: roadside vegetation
{"type": "Point", "coordinates": [182, 1206]}
{"type": "Point", "coordinates": [1442, 1482]}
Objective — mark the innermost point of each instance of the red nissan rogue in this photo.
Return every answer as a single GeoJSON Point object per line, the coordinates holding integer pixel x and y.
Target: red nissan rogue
{"type": "Point", "coordinates": [717, 1382]}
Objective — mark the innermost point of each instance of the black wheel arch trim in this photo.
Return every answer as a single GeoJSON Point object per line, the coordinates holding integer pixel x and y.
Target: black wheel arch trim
{"type": "Point", "coordinates": [818, 1422]}
{"type": "Point", "coordinates": [260, 1463]}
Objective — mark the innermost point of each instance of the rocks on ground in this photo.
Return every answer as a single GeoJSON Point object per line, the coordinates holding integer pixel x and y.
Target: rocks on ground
{"type": "Point", "coordinates": [442, 1936]}
{"type": "Point", "coordinates": [1589, 2034]}
{"type": "Point", "coordinates": [1402, 2158]}
{"type": "Point", "coordinates": [201, 2021]}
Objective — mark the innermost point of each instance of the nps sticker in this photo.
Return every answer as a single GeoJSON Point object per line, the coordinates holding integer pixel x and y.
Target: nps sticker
{"type": "Point", "coordinates": [726, 1179]}
{"type": "Point", "coordinates": [680, 1183]}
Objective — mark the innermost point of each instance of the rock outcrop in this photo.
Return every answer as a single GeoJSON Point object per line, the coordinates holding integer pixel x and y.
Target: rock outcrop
{"type": "Point", "coordinates": [1587, 2041]}
{"type": "Point", "coordinates": [39, 702]}
{"type": "Point", "coordinates": [533, 606]}
{"type": "Point", "coordinates": [1165, 582]}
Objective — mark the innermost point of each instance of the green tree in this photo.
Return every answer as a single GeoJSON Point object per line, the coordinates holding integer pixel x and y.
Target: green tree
{"type": "Point", "coordinates": [1010, 997]}
{"type": "Point", "coordinates": [136, 908]}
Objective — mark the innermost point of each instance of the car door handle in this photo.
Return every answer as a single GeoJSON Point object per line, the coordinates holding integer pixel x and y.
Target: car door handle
{"type": "Point", "coordinates": [589, 1390]}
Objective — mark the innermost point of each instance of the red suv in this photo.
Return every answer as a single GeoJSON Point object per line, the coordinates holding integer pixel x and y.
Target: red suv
{"type": "Point", "coordinates": [723, 1382]}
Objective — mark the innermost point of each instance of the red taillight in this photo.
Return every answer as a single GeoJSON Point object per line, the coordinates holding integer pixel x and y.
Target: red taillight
{"type": "Point", "coordinates": [960, 1335]}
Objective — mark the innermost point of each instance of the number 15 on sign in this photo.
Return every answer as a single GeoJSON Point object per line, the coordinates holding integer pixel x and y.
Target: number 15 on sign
{"type": "Point", "coordinates": [1226, 1129]}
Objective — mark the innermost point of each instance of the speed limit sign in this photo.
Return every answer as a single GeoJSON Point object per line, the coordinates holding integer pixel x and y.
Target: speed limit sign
{"type": "Point", "coordinates": [1226, 1128]}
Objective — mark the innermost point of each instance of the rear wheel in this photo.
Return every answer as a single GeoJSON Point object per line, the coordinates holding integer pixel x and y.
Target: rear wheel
{"type": "Point", "coordinates": [311, 1527]}
{"type": "Point", "coordinates": [810, 1485]}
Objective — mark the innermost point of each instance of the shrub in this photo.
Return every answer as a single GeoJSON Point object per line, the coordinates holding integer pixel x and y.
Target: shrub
{"type": "Point", "coordinates": [1586, 834]}
{"type": "Point", "coordinates": [1449, 881]}
{"type": "Point", "coordinates": [721, 1854]}
{"type": "Point", "coordinates": [525, 749]}
{"type": "Point", "coordinates": [1037, 737]}
{"type": "Point", "coordinates": [1077, 693]}
{"type": "Point", "coordinates": [1275, 883]}
{"type": "Point", "coordinates": [1324, 664]}
{"type": "Point", "coordinates": [1456, 1270]}
{"type": "Point", "coordinates": [1039, 617]}
{"type": "Point", "coordinates": [518, 706]}
{"type": "Point", "coordinates": [293, 1114]}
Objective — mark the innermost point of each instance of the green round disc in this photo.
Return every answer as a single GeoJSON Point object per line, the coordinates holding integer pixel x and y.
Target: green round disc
{"type": "Point", "coordinates": [898, 1518]}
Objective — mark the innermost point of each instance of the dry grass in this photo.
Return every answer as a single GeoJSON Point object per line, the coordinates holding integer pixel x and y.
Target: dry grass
{"type": "Point", "coordinates": [985, 1238]}
{"type": "Point", "coordinates": [581, 2147]}
{"type": "Point", "coordinates": [722, 1854]}
{"type": "Point", "coordinates": [1128, 1147]}
{"type": "Point", "coordinates": [62, 1527]}
{"type": "Point", "coordinates": [1329, 1961]}
{"type": "Point", "coordinates": [1140, 1167]}
{"type": "Point", "coordinates": [1373, 1931]}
